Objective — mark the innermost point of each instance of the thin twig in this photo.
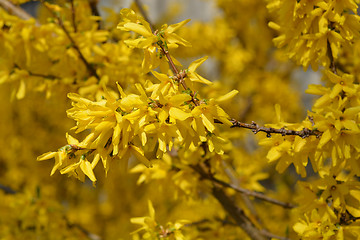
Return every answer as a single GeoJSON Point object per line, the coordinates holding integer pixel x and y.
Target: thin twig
{"type": "Point", "coordinates": [90, 68]}
{"type": "Point", "coordinates": [304, 133]}
{"type": "Point", "coordinates": [242, 190]}
{"type": "Point", "coordinates": [73, 15]}
{"type": "Point", "coordinates": [15, 10]}
{"type": "Point", "coordinates": [254, 194]}
{"type": "Point", "coordinates": [36, 74]}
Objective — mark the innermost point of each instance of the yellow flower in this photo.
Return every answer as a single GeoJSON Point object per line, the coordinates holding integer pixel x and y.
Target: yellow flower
{"type": "Point", "coordinates": [153, 43]}
{"type": "Point", "coordinates": [193, 76]}
{"type": "Point", "coordinates": [310, 30]}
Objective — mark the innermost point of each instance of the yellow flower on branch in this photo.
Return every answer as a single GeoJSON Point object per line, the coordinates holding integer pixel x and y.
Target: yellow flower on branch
{"type": "Point", "coordinates": [153, 43]}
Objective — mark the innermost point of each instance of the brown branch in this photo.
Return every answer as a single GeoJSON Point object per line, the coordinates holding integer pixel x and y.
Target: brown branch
{"type": "Point", "coordinates": [253, 194]}
{"type": "Point", "coordinates": [36, 74]}
{"type": "Point", "coordinates": [73, 15]}
{"type": "Point", "coordinates": [331, 57]}
{"type": "Point", "coordinates": [15, 10]}
{"type": "Point", "coordinates": [90, 68]}
{"type": "Point", "coordinates": [257, 195]}
{"type": "Point", "coordinates": [237, 214]}
{"type": "Point", "coordinates": [304, 133]}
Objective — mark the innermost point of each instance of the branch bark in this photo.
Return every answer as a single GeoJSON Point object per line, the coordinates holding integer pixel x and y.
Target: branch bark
{"type": "Point", "coordinates": [306, 132]}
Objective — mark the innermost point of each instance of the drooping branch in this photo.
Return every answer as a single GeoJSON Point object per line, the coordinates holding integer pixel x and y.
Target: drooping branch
{"type": "Point", "coordinates": [304, 133]}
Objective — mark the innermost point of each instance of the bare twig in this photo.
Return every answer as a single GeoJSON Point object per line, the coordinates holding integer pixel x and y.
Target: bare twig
{"type": "Point", "coordinates": [15, 10]}
{"type": "Point", "coordinates": [257, 195]}
{"type": "Point", "coordinates": [36, 74]}
{"type": "Point", "coordinates": [256, 128]}
{"type": "Point", "coordinates": [254, 194]}
{"type": "Point", "coordinates": [90, 68]}
{"type": "Point", "coordinates": [73, 15]}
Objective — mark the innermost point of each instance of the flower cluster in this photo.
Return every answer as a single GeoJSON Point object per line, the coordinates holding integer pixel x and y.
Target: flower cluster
{"type": "Point", "coordinates": [134, 124]}
{"type": "Point", "coordinates": [311, 30]}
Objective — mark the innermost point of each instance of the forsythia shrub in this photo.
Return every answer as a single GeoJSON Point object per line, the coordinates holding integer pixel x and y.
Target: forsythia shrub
{"type": "Point", "coordinates": [176, 142]}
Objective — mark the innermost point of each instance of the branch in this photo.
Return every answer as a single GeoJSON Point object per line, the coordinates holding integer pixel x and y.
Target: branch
{"type": "Point", "coordinates": [52, 77]}
{"type": "Point", "coordinates": [73, 15]}
{"type": "Point", "coordinates": [178, 75]}
{"type": "Point", "coordinates": [15, 10]}
{"type": "Point", "coordinates": [331, 57]}
{"type": "Point", "coordinates": [238, 215]}
{"type": "Point", "coordinates": [257, 195]}
{"type": "Point", "coordinates": [306, 132]}
{"type": "Point", "coordinates": [90, 68]}
{"type": "Point", "coordinates": [253, 194]}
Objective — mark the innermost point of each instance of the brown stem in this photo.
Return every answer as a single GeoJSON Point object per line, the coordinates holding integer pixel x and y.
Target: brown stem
{"type": "Point", "coordinates": [331, 57]}
{"type": "Point", "coordinates": [36, 74]}
{"type": "Point", "coordinates": [256, 128]}
{"type": "Point", "coordinates": [73, 15]}
{"type": "Point", "coordinates": [90, 68]}
{"type": "Point", "coordinates": [254, 194]}
{"type": "Point", "coordinates": [257, 195]}
{"type": "Point", "coordinates": [237, 214]}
